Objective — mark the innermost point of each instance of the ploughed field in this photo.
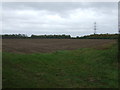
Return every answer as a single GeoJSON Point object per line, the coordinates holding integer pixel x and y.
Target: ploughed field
{"type": "Point", "coordinates": [52, 45]}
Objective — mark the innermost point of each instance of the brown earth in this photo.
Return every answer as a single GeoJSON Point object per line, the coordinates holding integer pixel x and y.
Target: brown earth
{"type": "Point", "coordinates": [51, 45]}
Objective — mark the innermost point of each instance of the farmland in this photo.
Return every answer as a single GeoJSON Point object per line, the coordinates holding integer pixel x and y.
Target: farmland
{"type": "Point", "coordinates": [51, 45]}
{"type": "Point", "coordinates": [59, 63]}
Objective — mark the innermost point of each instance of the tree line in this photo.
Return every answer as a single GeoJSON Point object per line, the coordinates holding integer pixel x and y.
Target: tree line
{"type": "Point", "coordinates": [99, 36]}
{"type": "Point", "coordinates": [52, 36]}
{"type": "Point", "coordinates": [63, 36]}
{"type": "Point", "coordinates": [23, 36]}
{"type": "Point", "coordinates": [12, 36]}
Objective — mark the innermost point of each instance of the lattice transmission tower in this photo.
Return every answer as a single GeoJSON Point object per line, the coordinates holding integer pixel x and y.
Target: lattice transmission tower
{"type": "Point", "coordinates": [95, 28]}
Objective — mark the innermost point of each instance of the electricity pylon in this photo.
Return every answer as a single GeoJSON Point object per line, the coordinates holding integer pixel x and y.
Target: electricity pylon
{"type": "Point", "coordinates": [94, 27]}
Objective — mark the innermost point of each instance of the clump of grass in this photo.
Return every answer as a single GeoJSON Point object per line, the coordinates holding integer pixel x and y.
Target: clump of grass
{"type": "Point", "coordinates": [82, 68]}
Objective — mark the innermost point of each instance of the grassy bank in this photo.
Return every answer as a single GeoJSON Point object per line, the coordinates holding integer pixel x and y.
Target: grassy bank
{"type": "Point", "coordinates": [82, 68]}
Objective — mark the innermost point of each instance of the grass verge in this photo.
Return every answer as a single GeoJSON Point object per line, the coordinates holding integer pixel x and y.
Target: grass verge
{"type": "Point", "coordinates": [82, 68]}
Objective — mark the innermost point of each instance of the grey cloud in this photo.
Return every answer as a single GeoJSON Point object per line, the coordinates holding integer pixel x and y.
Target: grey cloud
{"type": "Point", "coordinates": [57, 18]}
{"type": "Point", "coordinates": [61, 6]}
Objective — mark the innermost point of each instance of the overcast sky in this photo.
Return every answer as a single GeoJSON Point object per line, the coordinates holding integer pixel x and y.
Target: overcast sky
{"type": "Point", "coordinates": [75, 19]}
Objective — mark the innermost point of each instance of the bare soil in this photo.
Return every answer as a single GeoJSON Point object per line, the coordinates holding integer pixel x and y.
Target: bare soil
{"type": "Point", "coordinates": [51, 45]}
